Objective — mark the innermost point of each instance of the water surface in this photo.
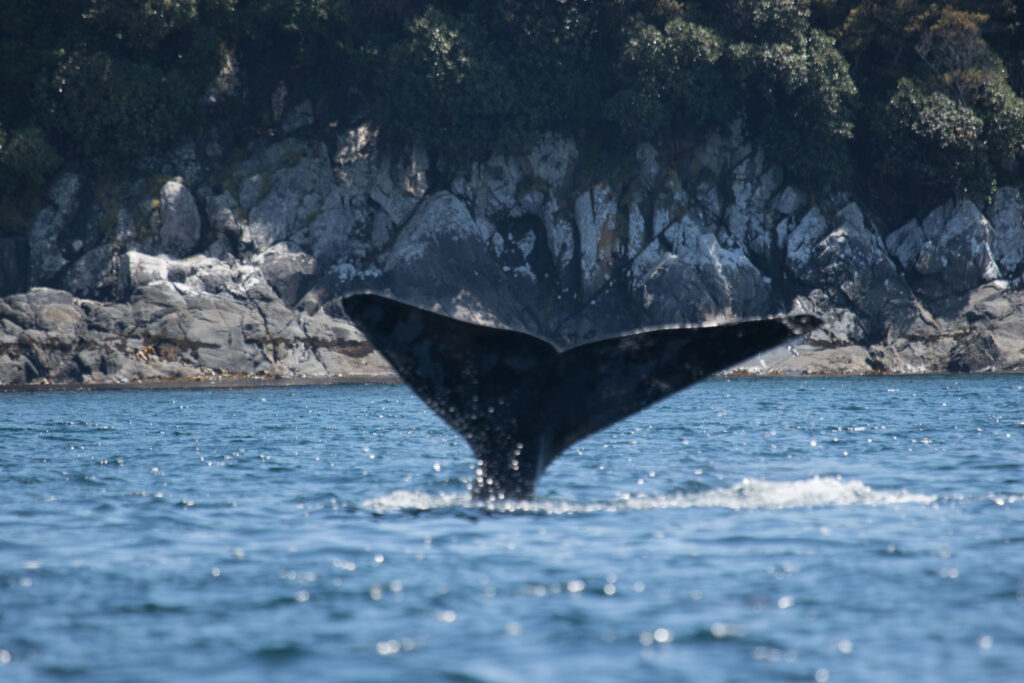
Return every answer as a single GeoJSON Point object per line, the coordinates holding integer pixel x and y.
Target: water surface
{"type": "Point", "coordinates": [855, 529]}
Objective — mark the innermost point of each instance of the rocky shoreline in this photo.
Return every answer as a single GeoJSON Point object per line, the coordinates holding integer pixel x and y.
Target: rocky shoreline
{"type": "Point", "coordinates": [227, 270]}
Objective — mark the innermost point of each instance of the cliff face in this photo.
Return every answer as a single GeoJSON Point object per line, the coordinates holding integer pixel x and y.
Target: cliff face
{"type": "Point", "coordinates": [223, 267]}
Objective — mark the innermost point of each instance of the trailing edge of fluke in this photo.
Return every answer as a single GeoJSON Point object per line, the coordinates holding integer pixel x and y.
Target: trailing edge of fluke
{"type": "Point", "coordinates": [520, 400]}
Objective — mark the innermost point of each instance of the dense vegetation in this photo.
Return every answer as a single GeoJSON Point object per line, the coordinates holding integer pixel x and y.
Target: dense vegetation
{"type": "Point", "coordinates": [913, 100]}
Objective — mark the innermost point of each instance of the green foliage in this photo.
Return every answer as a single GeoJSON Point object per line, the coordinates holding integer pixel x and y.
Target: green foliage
{"type": "Point", "coordinates": [800, 99]}
{"type": "Point", "coordinates": [102, 108]}
{"type": "Point", "coordinates": [669, 76]}
{"type": "Point", "coordinates": [913, 94]}
{"type": "Point", "coordinates": [940, 115]}
{"type": "Point", "coordinates": [932, 141]}
{"type": "Point", "coordinates": [26, 162]}
{"type": "Point", "coordinates": [446, 78]}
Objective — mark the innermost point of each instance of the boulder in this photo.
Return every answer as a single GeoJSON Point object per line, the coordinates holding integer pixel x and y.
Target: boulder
{"type": "Point", "coordinates": [144, 269]}
{"type": "Point", "coordinates": [851, 264]}
{"type": "Point", "coordinates": [291, 196]}
{"type": "Point", "coordinates": [976, 352]}
{"type": "Point", "coordinates": [180, 225]}
{"type": "Point", "coordinates": [800, 241]}
{"type": "Point", "coordinates": [950, 250]}
{"type": "Point", "coordinates": [698, 281]}
{"type": "Point", "coordinates": [220, 211]}
{"type": "Point", "coordinates": [96, 274]}
{"type": "Point", "coordinates": [287, 269]}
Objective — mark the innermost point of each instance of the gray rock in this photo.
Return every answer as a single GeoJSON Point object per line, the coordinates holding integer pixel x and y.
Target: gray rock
{"type": "Point", "coordinates": [220, 211]}
{"type": "Point", "coordinates": [15, 370]}
{"type": "Point", "coordinates": [905, 244]}
{"type": "Point", "coordinates": [789, 202]}
{"type": "Point", "coordinates": [800, 242]}
{"type": "Point", "coordinates": [442, 221]}
{"type": "Point", "coordinates": [287, 269]}
{"type": "Point", "coordinates": [1006, 216]}
{"type": "Point", "coordinates": [298, 117]}
{"type": "Point", "coordinates": [45, 257]}
{"type": "Point", "coordinates": [494, 184]}
{"type": "Point", "coordinates": [956, 247]}
{"type": "Point", "coordinates": [398, 188]}
{"type": "Point", "coordinates": [180, 225]}
{"type": "Point", "coordinates": [144, 269]}
{"type": "Point", "coordinates": [356, 159]}
{"type": "Point", "coordinates": [647, 165]}
{"type": "Point", "coordinates": [552, 159]}
{"type": "Point", "coordinates": [292, 197]}
{"type": "Point", "coordinates": [976, 352]}
{"type": "Point", "coordinates": [595, 212]}
{"type": "Point", "coordinates": [252, 189]}
{"type": "Point", "coordinates": [851, 264]}
{"type": "Point", "coordinates": [725, 283]}
{"type": "Point", "coordinates": [96, 274]}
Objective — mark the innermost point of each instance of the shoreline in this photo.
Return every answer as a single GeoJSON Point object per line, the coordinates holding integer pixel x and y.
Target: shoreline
{"type": "Point", "coordinates": [250, 383]}
{"type": "Point", "coordinates": [232, 383]}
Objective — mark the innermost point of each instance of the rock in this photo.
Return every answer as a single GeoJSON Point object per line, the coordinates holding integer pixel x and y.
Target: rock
{"type": "Point", "coordinates": [951, 248]}
{"type": "Point", "coordinates": [220, 211]}
{"type": "Point", "coordinates": [180, 225]}
{"type": "Point", "coordinates": [1006, 217]}
{"type": "Point", "coordinates": [15, 371]}
{"type": "Point", "coordinates": [648, 168]}
{"type": "Point", "coordinates": [96, 274]}
{"type": "Point", "coordinates": [292, 197]}
{"type": "Point", "coordinates": [13, 264]}
{"type": "Point", "coordinates": [976, 352]}
{"type": "Point", "coordinates": [753, 187]}
{"type": "Point", "coordinates": [298, 117]}
{"type": "Point", "coordinates": [144, 269]}
{"type": "Point", "coordinates": [905, 244]}
{"type": "Point", "coordinates": [789, 202]}
{"type": "Point", "coordinates": [801, 240]}
{"type": "Point", "coordinates": [552, 159]}
{"type": "Point", "coordinates": [287, 269]}
{"type": "Point", "coordinates": [698, 281]}
{"type": "Point", "coordinates": [398, 188]}
{"type": "Point", "coordinates": [851, 263]}
{"type": "Point", "coordinates": [48, 318]}
{"type": "Point", "coordinates": [493, 186]}
{"type": "Point", "coordinates": [356, 159]}
{"type": "Point", "coordinates": [45, 257]}
{"type": "Point", "coordinates": [561, 240]}
{"type": "Point", "coordinates": [595, 212]}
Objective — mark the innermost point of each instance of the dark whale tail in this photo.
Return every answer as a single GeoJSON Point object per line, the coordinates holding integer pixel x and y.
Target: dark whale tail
{"type": "Point", "coordinates": [520, 401]}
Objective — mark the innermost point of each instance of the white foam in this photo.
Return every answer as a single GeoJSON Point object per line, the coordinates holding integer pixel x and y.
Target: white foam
{"type": "Point", "coordinates": [761, 494]}
{"type": "Point", "coordinates": [749, 494]}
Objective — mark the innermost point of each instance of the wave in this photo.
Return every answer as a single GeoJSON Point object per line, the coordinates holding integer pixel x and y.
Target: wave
{"type": "Point", "coordinates": [749, 494]}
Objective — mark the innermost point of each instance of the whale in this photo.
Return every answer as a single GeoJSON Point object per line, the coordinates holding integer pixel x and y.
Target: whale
{"type": "Point", "coordinates": [520, 400]}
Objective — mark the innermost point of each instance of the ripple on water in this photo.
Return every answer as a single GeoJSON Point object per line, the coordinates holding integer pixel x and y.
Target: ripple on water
{"type": "Point", "coordinates": [655, 550]}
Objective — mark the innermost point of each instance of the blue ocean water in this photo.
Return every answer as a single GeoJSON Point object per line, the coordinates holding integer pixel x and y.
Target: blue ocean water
{"type": "Point", "coordinates": [821, 529]}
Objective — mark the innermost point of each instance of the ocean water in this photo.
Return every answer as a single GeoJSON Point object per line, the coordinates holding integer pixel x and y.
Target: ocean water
{"type": "Point", "coordinates": [822, 529]}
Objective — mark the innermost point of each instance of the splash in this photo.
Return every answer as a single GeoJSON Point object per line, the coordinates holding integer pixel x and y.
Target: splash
{"type": "Point", "coordinates": [761, 494]}
{"type": "Point", "coordinates": [749, 494]}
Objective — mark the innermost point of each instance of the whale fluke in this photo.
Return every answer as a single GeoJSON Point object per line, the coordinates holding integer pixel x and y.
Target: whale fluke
{"type": "Point", "coordinates": [520, 400]}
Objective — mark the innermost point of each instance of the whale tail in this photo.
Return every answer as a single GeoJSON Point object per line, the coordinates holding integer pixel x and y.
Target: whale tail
{"type": "Point", "coordinates": [519, 400]}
